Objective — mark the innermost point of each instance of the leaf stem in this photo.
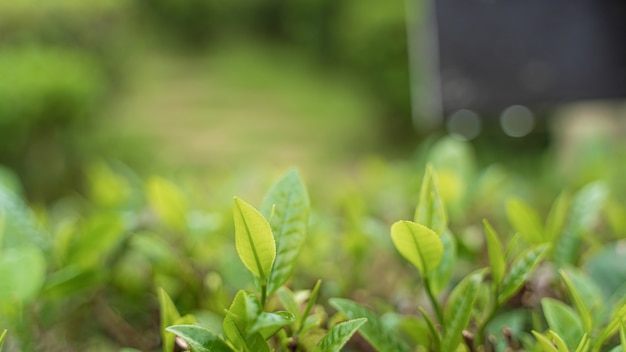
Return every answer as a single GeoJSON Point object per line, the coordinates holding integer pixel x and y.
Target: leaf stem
{"type": "Point", "coordinates": [433, 300]}
{"type": "Point", "coordinates": [263, 294]}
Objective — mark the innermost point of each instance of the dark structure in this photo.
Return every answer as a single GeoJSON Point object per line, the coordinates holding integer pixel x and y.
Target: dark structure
{"type": "Point", "coordinates": [490, 54]}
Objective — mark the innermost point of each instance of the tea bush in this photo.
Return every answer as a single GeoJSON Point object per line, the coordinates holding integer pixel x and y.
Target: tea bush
{"type": "Point", "coordinates": [326, 267]}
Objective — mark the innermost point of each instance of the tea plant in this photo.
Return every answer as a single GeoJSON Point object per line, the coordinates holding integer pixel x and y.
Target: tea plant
{"type": "Point", "coordinates": [268, 243]}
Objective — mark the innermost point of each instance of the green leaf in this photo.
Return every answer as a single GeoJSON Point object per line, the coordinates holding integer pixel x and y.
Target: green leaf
{"type": "Point", "coordinates": [375, 331]}
{"type": "Point", "coordinates": [240, 317]}
{"type": "Point", "coordinates": [525, 220]}
{"type": "Point", "coordinates": [585, 210]}
{"type": "Point", "coordinates": [254, 240]}
{"type": "Point", "coordinates": [622, 335]}
{"type": "Point", "coordinates": [557, 217]}
{"type": "Point", "coordinates": [431, 327]}
{"type": "Point", "coordinates": [544, 343]}
{"type": "Point", "coordinates": [618, 317]}
{"type": "Point", "coordinates": [578, 302]}
{"type": "Point", "coordinates": [168, 202]}
{"type": "Point", "coordinates": [169, 315]}
{"type": "Point", "coordinates": [338, 336]}
{"type": "Point", "coordinates": [288, 204]}
{"type": "Point", "coordinates": [23, 273]}
{"type": "Point", "coordinates": [269, 323]}
{"type": "Point", "coordinates": [562, 320]}
{"type": "Point", "coordinates": [459, 310]}
{"type": "Point", "coordinates": [440, 277]}
{"type": "Point", "coordinates": [288, 300]}
{"type": "Point", "coordinates": [99, 236]}
{"type": "Point", "coordinates": [558, 341]}
{"type": "Point", "coordinates": [584, 344]}
{"type": "Point", "coordinates": [496, 254]}
{"type": "Point", "coordinates": [2, 336]}
{"type": "Point", "coordinates": [310, 303]}
{"type": "Point", "coordinates": [21, 227]}
{"type": "Point", "coordinates": [519, 272]}
{"type": "Point", "coordinates": [199, 338]}
{"type": "Point", "coordinates": [418, 244]}
{"type": "Point", "coordinates": [431, 211]}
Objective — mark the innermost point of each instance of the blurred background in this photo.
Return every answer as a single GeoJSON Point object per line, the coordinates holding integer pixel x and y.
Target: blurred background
{"type": "Point", "coordinates": [221, 97]}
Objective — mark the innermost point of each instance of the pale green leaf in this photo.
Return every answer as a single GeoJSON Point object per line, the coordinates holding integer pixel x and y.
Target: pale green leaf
{"type": "Point", "coordinates": [496, 254]}
{"type": "Point", "coordinates": [578, 302]}
{"type": "Point", "coordinates": [254, 240]}
{"type": "Point", "coordinates": [563, 320]}
{"type": "Point", "coordinates": [519, 272]}
{"type": "Point", "coordinates": [561, 346]}
{"type": "Point", "coordinates": [622, 334]}
{"type": "Point", "coordinates": [525, 220]}
{"type": "Point", "coordinates": [458, 310]}
{"type": "Point", "coordinates": [22, 273]}
{"type": "Point", "coordinates": [618, 317]}
{"type": "Point", "coordinates": [21, 227]}
{"type": "Point", "coordinates": [440, 276]}
{"type": "Point", "coordinates": [375, 332]}
{"type": "Point", "coordinates": [168, 202]}
{"type": "Point", "coordinates": [2, 337]}
{"type": "Point", "coordinates": [338, 336]}
{"type": "Point", "coordinates": [418, 244]}
{"type": "Point", "coordinates": [431, 211]}
{"type": "Point", "coordinates": [311, 303]}
{"type": "Point", "coordinates": [199, 338]}
{"type": "Point", "coordinates": [241, 316]}
{"type": "Point", "coordinates": [544, 343]}
{"type": "Point", "coordinates": [268, 323]}
{"type": "Point", "coordinates": [99, 236]}
{"type": "Point", "coordinates": [288, 300]}
{"type": "Point", "coordinates": [287, 206]}
{"type": "Point", "coordinates": [557, 217]}
{"type": "Point", "coordinates": [169, 315]}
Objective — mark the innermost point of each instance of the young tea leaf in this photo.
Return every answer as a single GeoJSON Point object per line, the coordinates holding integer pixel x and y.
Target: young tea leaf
{"type": "Point", "coordinates": [418, 244]}
{"type": "Point", "coordinates": [622, 335]}
{"type": "Point", "coordinates": [199, 338]}
{"type": "Point", "coordinates": [310, 303]}
{"type": "Point", "coordinates": [2, 336]}
{"type": "Point", "coordinates": [563, 321]}
{"type": "Point", "coordinates": [580, 306]}
{"type": "Point", "coordinates": [584, 344]}
{"type": "Point", "coordinates": [459, 310]}
{"type": "Point", "coordinates": [525, 220]}
{"type": "Point", "coordinates": [338, 336]}
{"type": "Point", "coordinates": [520, 270]}
{"type": "Point", "coordinates": [288, 300]}
{"type": "Point", "coordinates": [436, 337]}
{"type": "Point", "coordinates": [169, 315]}
{"type": "Point", "coordinates": [288, 204]}
{"type": "Point", "coordinates": [254, 240]}
{"type": "Point", "coordinates": [556, 217]}
{"type": "Point", "coordinates": [618, 317]}
{"type": "Point", "coordinates": [267, 324]}
{"type": "Point", "coordinates": [375, 332]}
{"type": "Point", "coordinates": [440, 276]}
{"type": "Point", "coordinates": [168, 202]}
{"type": "Point", "coordinates": [561, 346]}
{"type": "Point", "coordinates": [496, 255]}
{"type": "Point", "coordinates": [431, 211]}
{"type": "Point", "coordinates": [544, 343]}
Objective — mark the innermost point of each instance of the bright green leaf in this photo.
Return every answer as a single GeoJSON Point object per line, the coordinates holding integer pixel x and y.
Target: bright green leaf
{"type": "Point", "coordinates": [23, 273]}
{"type": "Point", "coordinates": [458, 310]}
{"type": "Point", "coordinates": [418, 244]}
{"type": "Point", "coordinates": [520, 270]}
{"type": "Point", "coordinates": [375, 332]}
{"type": "Point", "coordinates": [525, 220]}
{"type": "Point", "coordinates": [311, 302]}
{"type": "Point", "coordinates": [563, 321]}
{"type": "Point", "coordinates": [440, 277]}
{"type": "Point", "coordinates": [199, 338]}
{"type": "Point", "coordinates": [339, 335]}
{"type": "Point", "coordinates": [241, 316]}
{"type": "Point", "coordinates": [496, 254]}
{"type": "Point", "coordinates": [288, 300]}
{"type": "Point", "coordinates": [580, 306]}
{"type": "Point", "coordinates": [254, 240]}
{"type": "Point", "coordinates": [431, 211]}
{"type": "Point", "coordinates": [169, 315]}
{"type": "Point", "coordinates": [618, 317]}
{"type": "Point", "coordinates": [288, 204]}
{"type": "Point", "coordinates": [99, 236]}
{"type": "Point", "coordinates": [622, 335]}
{"type": "Point", "coordinates": [168, 202]}
{"type": "Point", "coordinates": [584, 344]}
{"type": "Point", "coordinates": [544, 343]}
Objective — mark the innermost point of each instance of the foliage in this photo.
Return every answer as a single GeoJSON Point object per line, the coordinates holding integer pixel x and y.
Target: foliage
{"type": "Point", "coordinates": [217, 274]}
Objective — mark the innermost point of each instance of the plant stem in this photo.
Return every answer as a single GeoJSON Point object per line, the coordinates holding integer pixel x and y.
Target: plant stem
{"type": "Point", "coordinates": [263, 294]}
{"type": "Point", "coordinates": [433, 301]}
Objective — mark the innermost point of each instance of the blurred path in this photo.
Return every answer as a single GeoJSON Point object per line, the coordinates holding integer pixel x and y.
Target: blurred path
{"type": "Point", "coordinates": [240, 105]}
